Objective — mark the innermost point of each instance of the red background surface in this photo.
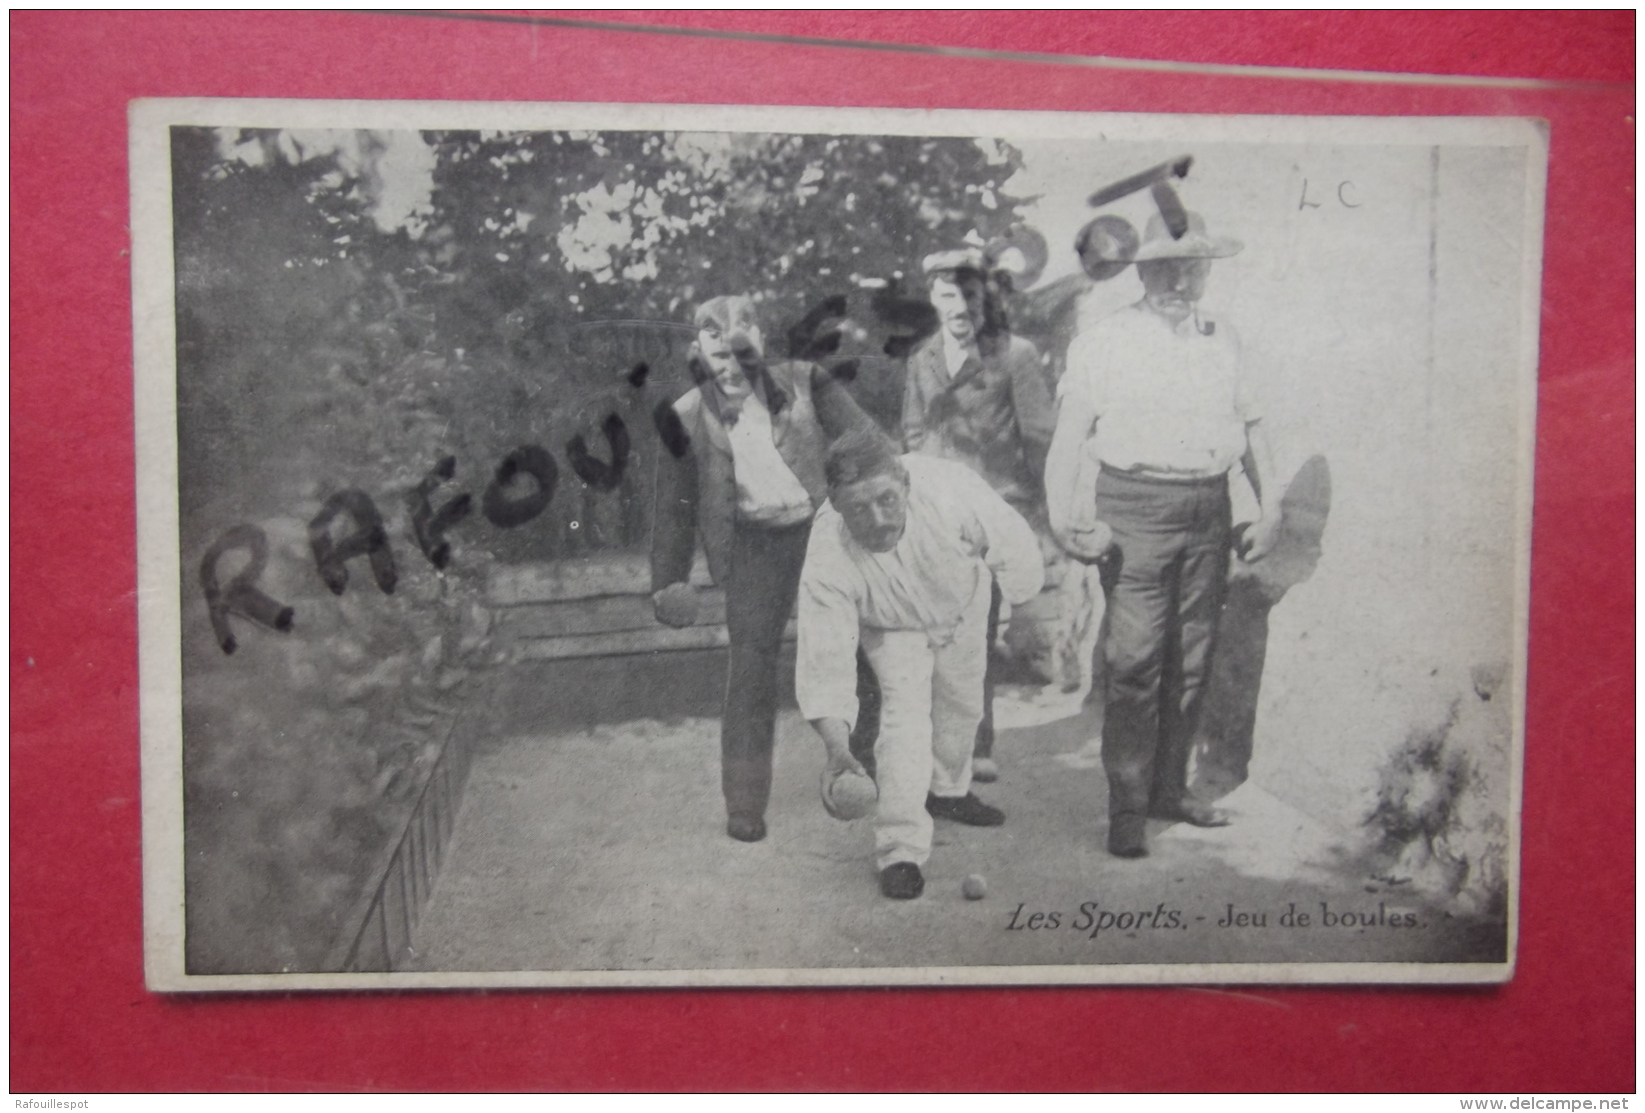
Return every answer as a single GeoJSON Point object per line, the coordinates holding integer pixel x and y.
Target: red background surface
{"type": "Point", "coordinates": [80, 1017]}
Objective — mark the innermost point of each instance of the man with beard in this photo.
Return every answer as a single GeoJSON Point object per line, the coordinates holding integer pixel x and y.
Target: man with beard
{"type": "Point", "coordinates": [1161, 391]}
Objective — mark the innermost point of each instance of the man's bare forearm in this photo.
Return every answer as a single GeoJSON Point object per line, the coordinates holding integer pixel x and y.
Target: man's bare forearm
{"type": "Point", "coordinates": [836, 734]}
{"type": "Point", "coordinates": [1258, 463]}
{"type": "Point", "coordinates": [1062, 462]}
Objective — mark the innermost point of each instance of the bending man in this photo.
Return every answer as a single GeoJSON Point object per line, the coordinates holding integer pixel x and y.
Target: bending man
{"type": "Point", "coordinates": [902, 561]}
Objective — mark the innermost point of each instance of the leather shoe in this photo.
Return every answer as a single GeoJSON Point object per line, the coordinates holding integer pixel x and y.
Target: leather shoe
{"type": "Point", "coordinates": [902, 881]}
{"type": "Point", "coordinates": [1196, 813]}
{"type": "Point", "coordinates": [965, 809]}
{"type": "Point", "coordinates": [1128, 836]}
{"type": "Point", "coordinates": [745, 828]}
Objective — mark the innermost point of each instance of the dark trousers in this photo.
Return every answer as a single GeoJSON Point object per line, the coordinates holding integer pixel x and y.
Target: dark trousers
{"type": "Point", "coordinates": [1224, 734]}
{"type": "Point", "coordinates": [759, 596]}
{"type": "Point", "coordinates": [985, 729]}
{"type": "Point", "coordinates": [1165, 592]}
{"type": "Point", "coordinates": [1034, 514]}
{"type": "Point", "coordinates": [867, 730]}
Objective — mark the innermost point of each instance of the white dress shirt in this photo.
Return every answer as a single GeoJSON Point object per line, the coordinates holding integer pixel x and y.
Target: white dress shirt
{"type": "Point", "coordinates": [959, 533]}
{"type": "Point", "coordinates": [768, 491]}
{"type": "Point", "coordinates": [1170, 401]}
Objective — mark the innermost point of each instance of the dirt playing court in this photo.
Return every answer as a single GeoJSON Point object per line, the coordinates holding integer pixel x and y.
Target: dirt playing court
{"type": "Point", "coordinates": [603, 847]}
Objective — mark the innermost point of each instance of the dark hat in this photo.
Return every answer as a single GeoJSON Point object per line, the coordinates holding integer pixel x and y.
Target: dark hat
{"type": "Point", "coordinates": [1021, 252]}
{"type": "Point", "coordinates": [1106, 246]}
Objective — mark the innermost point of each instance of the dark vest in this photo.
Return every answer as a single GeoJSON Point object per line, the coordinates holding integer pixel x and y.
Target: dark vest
{"type": "Point", "coordinates": [797, 434]}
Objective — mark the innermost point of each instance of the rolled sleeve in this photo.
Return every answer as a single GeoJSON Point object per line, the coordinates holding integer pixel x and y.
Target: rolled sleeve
{"type": "Point", "coordinates": [1085, 376]}
{"type": "Point", "coordinates": [825, 667]}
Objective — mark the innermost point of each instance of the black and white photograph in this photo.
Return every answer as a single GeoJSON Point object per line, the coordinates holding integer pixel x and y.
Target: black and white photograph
{"type": "Point", "coordinates": [612, 545]}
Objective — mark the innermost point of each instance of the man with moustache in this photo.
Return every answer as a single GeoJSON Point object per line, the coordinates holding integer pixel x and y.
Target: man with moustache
{"type": "Point", "coordinates": [744, 472]}
{"type": "Point", "coordinates": [1161, 392]}
{"type": "Point", "coordinates": [979, 396]}
{"type": "Point", "coordinates": [901, 564]}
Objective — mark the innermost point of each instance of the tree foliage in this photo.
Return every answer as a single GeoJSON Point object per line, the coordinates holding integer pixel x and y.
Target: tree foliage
{"type": "Point", "coordinates": [545, 267]}
{"type": "Point", "coordinates": [553, 227]}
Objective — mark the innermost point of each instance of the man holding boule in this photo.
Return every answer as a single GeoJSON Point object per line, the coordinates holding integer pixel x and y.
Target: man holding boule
{"type": "Point", "coordinates": [744, 472]}
{"type": "Point", "coordinates": [1161, 390]}
{"type": "Point", "coordinates": [901, 563]}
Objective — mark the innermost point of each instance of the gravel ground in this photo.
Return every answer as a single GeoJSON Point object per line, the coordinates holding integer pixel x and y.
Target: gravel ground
{"type": "Point", "coordinates": [604, 848]}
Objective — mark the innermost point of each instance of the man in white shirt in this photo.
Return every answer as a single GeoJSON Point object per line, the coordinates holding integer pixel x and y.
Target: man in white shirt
{"type": "Point", "coordinates": [1156, 392]}
{"type": "Point", "coordinates": [901, 561]}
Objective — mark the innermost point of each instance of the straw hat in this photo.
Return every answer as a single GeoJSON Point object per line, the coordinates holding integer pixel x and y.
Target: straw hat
{"type": "Point", "coordinates": [1196, 243]}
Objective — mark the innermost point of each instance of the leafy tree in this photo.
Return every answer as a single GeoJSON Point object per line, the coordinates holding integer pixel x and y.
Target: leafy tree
{"type": "Point", "coordinates": [556, 226]}
{"type": "Point", "coordinates": [549, 267]}
{"type": "Point", "coordinates": [541, 244]}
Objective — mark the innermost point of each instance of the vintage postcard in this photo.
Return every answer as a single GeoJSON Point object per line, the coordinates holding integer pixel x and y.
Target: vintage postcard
{"type": "Point", "coordinates": [642, 545]}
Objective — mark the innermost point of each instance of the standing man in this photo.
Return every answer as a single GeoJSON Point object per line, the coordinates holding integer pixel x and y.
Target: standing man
{"type": "Point", "coordinates": [1162, 391]}
{"type": "Point", "coordinates": [977, 395]}
{"type": "Point", "coordinates": [900, 563]}
{"type": "Point", "coordinates": [745, 473]}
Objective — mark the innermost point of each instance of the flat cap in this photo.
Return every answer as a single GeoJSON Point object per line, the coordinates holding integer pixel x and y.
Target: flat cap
{"type": "Point", "coordinates": [963, 258]}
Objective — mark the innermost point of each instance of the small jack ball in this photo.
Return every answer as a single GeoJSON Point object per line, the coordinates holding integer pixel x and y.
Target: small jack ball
{"type": "Point", "coordinates": [974, 887]}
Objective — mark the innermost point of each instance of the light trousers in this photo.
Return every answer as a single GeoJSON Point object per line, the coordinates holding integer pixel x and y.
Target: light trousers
{"type": "Point", "coordinates": [931, 700]}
